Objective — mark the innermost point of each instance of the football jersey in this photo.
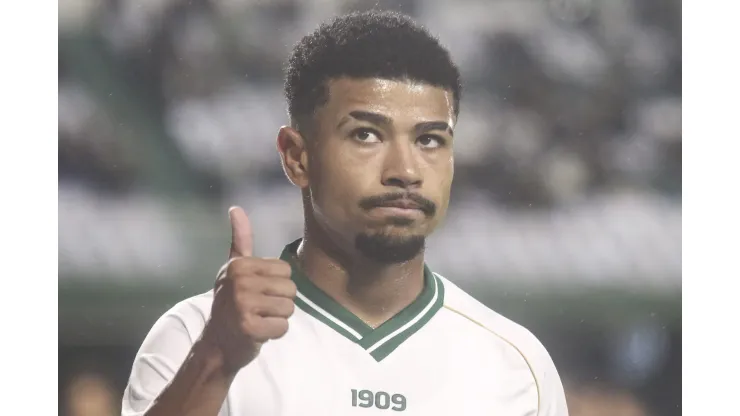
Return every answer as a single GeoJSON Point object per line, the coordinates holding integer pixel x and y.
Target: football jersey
{"type": "Point", "coordinates": [444, 354]}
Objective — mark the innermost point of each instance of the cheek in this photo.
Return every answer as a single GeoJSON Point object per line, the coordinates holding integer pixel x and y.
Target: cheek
{"type": "Point", "coordinates": [440, 173]}
{"type": "Point", "coordinates": [350, 168]}
{"type": "Point", "coordinates": [440, 186]}
{"type": "Point", "coordinates": [337, 183]}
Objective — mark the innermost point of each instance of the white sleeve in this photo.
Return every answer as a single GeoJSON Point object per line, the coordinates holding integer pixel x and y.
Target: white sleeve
{"type": "Point", "coordinates": [161, 354]}
{"type": "Point", "coordinates": [552, 394]}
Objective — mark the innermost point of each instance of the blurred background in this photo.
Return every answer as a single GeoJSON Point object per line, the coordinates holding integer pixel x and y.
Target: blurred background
{"type": "Point", "coordinates": [566, 212]}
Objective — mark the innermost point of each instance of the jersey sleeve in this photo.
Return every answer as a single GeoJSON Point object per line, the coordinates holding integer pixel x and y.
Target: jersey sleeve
{"type": "Point", "coordinates": [552, 393]}
{"type": "Point", "coordinates": [161, 354]}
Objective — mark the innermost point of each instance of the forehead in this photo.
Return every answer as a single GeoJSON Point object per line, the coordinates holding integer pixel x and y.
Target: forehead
{"type": "Point", "coordinates": [402, 101]}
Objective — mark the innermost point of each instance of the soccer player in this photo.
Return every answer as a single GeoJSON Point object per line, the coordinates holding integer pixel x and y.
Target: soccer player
{"type": "Point", "coordinates": [350, 320]}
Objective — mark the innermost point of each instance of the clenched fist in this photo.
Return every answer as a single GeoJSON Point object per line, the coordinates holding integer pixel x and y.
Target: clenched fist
{"type": "Point", "coordinates": [253, 299]}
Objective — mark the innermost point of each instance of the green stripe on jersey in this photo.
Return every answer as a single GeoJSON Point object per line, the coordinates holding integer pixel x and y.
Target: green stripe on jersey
{"type": "Point", "coordinates": [326, 320]}
{"type": "Point", "coordinates": [386, 346]}
{"type": "Point", "coordinates": [381, 341]}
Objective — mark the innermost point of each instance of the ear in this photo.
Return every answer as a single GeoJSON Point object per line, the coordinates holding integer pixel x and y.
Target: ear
{"type": "Point", "coordinates": [293, 151]}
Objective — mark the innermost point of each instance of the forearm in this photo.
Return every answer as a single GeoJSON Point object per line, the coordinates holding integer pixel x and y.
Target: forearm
{"type": "Point", "coordinates": [199, 387]}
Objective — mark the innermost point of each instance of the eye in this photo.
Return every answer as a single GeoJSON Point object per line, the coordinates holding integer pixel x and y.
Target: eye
{"type": "Point", "coordinates": [430, 141]}
{"type": "Point", "coordinates": [366, 135]}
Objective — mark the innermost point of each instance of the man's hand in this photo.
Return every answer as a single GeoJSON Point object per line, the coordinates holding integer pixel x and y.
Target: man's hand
{"type": "Point", "coordinates": [253, 299]}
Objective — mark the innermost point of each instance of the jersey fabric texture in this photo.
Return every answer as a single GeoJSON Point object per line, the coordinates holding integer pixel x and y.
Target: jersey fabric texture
{"type": "Point", "coordinates": [444, 354]}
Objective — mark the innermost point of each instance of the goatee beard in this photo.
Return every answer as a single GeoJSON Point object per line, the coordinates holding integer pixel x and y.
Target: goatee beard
{"type": "Point", "coordinates": [386, 249]}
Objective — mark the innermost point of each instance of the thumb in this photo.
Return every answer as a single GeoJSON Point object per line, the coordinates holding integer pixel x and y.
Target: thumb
{"type": "Point", "coordinates": [241, 233]}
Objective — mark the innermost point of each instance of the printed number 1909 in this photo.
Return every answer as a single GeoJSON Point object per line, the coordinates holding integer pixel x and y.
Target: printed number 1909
{"type": "Point", "coordinates": [381, 400]}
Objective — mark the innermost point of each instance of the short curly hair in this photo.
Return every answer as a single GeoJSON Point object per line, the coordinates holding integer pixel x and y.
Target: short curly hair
{"type": "Point", "coordinates": [373, 44]}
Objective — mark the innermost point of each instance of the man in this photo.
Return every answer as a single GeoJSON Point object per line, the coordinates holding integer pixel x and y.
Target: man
{"type": "Point", "coordinates": [350, 320]}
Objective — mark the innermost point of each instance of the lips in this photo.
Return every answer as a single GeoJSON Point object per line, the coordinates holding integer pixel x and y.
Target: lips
{"type": "Point", "coordinates": [399, 203]}
{"type": "Point", "coordinates": [402, 204]}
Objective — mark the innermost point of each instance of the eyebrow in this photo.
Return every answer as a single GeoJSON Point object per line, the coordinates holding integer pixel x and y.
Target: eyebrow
{"type": "Point", "coordinates": [380, 119]}
{"type": "Point", "coordinates": [433, 125]}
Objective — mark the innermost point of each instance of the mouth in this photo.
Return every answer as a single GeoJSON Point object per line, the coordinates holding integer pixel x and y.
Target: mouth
{"type": "Point", "coordinates": [399, 208]}
{"type": "Point", "coordinates": [401, 204]}
{"type": "Point", "coordinates": [403, 207]}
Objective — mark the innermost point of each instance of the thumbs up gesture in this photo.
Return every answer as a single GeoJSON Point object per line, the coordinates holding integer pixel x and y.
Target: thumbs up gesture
{"type": "Point", "coordinates": [252, 301]}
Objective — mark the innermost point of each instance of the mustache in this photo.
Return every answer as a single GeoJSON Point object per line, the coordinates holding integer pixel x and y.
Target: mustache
{"type": "Point", "coordinates": [426, 206]}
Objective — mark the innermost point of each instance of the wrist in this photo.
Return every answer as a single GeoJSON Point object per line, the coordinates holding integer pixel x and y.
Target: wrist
{"type": "Point", "coordinates": [213, 358]}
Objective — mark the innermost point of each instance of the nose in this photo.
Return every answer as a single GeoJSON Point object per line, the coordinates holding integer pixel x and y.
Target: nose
{"type": "Point", "coordinates": [401, 166]}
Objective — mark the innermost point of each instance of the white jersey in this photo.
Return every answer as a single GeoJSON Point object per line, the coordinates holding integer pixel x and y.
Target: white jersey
{"type": "Point", "coordinates": [445, 354]}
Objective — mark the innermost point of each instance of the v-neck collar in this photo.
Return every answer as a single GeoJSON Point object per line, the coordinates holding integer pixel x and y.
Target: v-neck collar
{"type": "Point", "coordinates": [378, 342]}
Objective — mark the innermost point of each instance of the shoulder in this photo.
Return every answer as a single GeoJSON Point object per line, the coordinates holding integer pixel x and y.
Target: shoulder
{"type": "Point", "coordinates": [198, 306]}
{"type": "Point", "coordinates": [163, 351]}
{"type": "Point", "coordinates": [461, 303]}
{"type": "Point", "coordinates": [191, 313]}
{"type": "Point", "coordinates": [549, 385]}
{"type": "Point", "coordinates": [182, 323]}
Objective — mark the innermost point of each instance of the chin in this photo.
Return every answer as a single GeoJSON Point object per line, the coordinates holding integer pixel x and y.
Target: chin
{"type": "Point", "coordinates": [390, 248]}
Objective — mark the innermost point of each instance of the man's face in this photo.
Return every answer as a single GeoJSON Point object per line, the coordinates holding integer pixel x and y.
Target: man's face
{"type": "Point", "coordinates": [381, 165]}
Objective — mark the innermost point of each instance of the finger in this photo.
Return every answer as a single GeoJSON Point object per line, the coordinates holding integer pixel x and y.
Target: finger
{"type": "Point", "coordinates": [251, 267]}
{"type": "Point", "coordinates": [263, 329]}
{"type": "Point", "coordinates": [264, 285]}
{"type": "Point", "coordinates": [280, 287]}
{"type": "Point", "coordinates": [267, 306]}
{"type": "Point", "coordinates": [241, 233]}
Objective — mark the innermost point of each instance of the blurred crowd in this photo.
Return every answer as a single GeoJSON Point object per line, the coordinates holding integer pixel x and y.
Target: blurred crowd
{"type": "Point", "coordinates": [570, 131]}
{"type": "Point", "coordinates": [563, 98]}
{"type": "Point", "coordinates": [568, 161]}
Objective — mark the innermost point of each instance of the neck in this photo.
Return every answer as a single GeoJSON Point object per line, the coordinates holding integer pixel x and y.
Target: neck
{"type": "Point", "coordinates": [373, 292]}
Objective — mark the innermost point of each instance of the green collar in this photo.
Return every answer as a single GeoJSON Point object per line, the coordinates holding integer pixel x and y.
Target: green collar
{"type": "Point", "coordinates": [380, 341]}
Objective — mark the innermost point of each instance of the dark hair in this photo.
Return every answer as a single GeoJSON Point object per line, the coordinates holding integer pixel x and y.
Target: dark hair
{"type": "Point", "coordinates": [371, 44]}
